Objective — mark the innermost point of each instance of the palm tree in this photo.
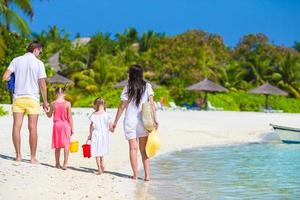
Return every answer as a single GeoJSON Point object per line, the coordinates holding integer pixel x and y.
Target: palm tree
{"type": "Point", "coordinates": [149, 39]}
{"type": "Point", "coordinates": [8, 17]}
{"type": "Point", "coordinates": [2, 43]}
{"type": "Point", "coordinates": [297, 46]}
{"type": "Point", "coordinates": [289, 69]}
{"type": "Point", "coordinates": [126, 39]}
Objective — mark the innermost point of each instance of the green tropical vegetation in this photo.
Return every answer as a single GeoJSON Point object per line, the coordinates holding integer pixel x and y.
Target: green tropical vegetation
{"type": "Point", "coordinates": [172, 62]}
{"type": "Point", "coordinates": [2, 112]}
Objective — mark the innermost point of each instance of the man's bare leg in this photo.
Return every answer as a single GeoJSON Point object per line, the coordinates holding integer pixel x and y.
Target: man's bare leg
{"type": "Point", "coordinates": [33, 137]}
{"type": "Point", "coordinates": [16, 136]}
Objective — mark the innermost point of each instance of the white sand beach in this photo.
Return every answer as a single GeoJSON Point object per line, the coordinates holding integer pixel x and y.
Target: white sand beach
{"type": "Point", "coordinates": [178, 130]}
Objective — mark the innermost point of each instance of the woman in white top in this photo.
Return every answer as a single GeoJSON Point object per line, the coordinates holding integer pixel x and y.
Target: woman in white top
{"type": "Point", "coordinates": [133, 96]}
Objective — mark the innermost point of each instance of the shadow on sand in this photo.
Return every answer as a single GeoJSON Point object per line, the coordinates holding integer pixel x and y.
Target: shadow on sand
{"type": "Point", "coordinates": [23, 160]}
{"type": "Point", "coordinates": [80, 169]}
{"type": "Point", "coordinates": [91, 170]}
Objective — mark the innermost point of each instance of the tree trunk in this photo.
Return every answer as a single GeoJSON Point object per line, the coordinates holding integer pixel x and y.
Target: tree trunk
{"type": "Point", "coordinates": [7, 25]}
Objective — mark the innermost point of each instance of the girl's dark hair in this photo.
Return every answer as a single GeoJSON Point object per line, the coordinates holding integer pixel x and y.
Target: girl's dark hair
{"type": "Point", "coordinates": [98, 102]}
{"type": "Point", "coordinates": [34, 45]}
{"type": "Point", "coordinates": [136, 84]}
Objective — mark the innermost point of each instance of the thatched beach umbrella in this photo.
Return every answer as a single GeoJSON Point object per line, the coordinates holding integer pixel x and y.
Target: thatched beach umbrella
{"type": "Point", "coordinates": [54, 61]}
{"type": "Point", "coordinates": [268, 89]}
{"type": "Point", "coordinates": [58, 79]}
{"type": "Point", "coordinates": [207, 86]}
{"type": "Point", "coordinates": [125, 82]}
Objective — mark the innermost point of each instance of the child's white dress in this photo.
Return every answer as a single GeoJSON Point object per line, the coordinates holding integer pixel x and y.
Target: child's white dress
{"type": "Point", "coordinates": [100, 134]}
{"type": "Point", "coordinates": [133, 124]}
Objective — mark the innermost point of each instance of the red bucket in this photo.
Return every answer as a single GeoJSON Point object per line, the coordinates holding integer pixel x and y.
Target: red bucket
{"type": "Point", "coordinates": [86, 149]}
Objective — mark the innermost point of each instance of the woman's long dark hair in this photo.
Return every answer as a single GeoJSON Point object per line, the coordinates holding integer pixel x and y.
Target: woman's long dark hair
{"type": "Point", "coordinates": [136, 84]}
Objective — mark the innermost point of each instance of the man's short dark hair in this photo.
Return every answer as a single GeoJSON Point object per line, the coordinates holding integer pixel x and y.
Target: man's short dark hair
{"type": "Point", "coordinates": [34, 45]}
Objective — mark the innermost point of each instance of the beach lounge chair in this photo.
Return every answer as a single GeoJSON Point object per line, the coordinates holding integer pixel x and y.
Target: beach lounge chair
{"type": "Point", "coordinates": [156, 106]}
{"type": "Point", "coordinates": [159, 106]}
{"type": "Point", "coordinates": [193, 106]}
{"type": "Point", "coordinates": [187, 105]}
{"type": "Point", "coordinates": [211, 107]}
{"type": "Point", "coordinates": [175, 107]}
{"type": "Point", "coordinates": [271, 110]}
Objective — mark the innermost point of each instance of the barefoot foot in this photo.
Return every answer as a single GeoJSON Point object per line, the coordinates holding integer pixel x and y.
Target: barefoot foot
{"type": "Point", "coordinates": [34, 161]}
{"type": "Point", "coordinates": [58, 166]}
{"type": "Point", "coordinates": [18, 159]}
{"type": "Point", "coordinates": [146, 177]}
{"type": "Point", "coordinates": [99, 172]}
{"type": "Point", "coordinates": [64, 167]}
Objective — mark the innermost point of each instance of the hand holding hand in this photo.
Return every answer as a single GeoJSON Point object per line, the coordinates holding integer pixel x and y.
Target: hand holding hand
{"type": "Point", "coordinates": [111, 129]}
{"type": "Point", "coordinates": [46, 107]}
{"type": "Point", "coordinates": [114, 125]}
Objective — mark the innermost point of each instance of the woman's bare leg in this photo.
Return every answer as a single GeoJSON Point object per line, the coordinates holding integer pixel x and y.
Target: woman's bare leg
{"type": "Point", "coordinates": [133, 157]}
{"type": "Point", "coordinates": [145, 159]}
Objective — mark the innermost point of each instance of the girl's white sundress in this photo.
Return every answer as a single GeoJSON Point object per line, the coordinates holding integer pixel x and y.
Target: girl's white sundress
{"type": "Point", "coordinates": [100, 134]}
{"type": "Point", "coordinates": [133, 124]}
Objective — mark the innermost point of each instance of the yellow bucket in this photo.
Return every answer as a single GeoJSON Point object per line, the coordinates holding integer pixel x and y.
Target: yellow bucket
{"type": "Point", "coordinates": [74, 146]}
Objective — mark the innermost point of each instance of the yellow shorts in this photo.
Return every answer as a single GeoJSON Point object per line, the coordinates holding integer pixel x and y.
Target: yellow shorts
{"type": "Point", "coordinates": [26, 105]}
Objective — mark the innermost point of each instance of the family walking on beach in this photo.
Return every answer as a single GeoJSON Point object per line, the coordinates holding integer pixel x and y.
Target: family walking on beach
{"type": "Point", "coordinates": [30, 80]}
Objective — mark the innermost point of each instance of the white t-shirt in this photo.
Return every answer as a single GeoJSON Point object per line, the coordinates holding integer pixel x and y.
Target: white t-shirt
{"type": "Point", "coordinates": [28, 70]}
{"type": "Point", "coordinates": [133, 125]}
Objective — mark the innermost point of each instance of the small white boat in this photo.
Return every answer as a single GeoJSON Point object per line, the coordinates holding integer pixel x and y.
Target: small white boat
{"type": "Point", "coordinates": [287, 134]}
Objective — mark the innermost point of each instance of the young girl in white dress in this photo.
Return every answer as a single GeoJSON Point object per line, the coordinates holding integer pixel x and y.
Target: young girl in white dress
{"type": "Point", "coordinates": [133, 96]}
{"type": "Point", "coordinates": [99, 133]}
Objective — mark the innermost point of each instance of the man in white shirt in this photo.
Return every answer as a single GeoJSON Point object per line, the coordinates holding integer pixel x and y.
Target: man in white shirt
{"type": "Point", "coordinates": [30, 78]}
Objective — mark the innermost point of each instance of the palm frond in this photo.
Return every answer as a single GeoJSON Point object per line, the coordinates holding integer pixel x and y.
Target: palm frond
{"type": "Point", "coordinates": [19, 23]}
{"type": "Point", "coordinates": [25, 6]}
{"type": "Point", "coordinates": [2, 43]}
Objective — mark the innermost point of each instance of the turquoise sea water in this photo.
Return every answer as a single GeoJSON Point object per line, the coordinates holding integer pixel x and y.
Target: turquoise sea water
{"type": "Point", "coordinates": [254, 171]}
